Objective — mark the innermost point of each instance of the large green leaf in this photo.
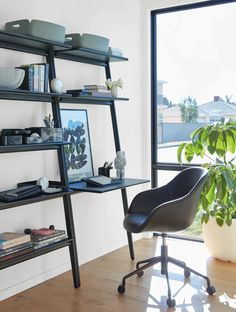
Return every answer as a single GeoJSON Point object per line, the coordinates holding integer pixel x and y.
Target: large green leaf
{"type": "Point", "coordinates": [189, 152]}
{"type": "Point", "coordinates": [230, 140]}
{"type": "Point", "coordinates": [179, 152]}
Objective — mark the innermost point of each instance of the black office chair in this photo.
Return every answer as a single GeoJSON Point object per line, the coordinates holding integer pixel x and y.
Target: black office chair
{"type": "Point", "coordinates": [169, 208]}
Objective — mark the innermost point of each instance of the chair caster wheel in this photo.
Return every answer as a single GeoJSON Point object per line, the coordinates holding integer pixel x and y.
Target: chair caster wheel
{"type": "Point", "coordinates": [187, 273]}
{"type": "Point", "coordinates": [121, 289]}
{"type": "Point", "coordinates": [170, 302]}
{"type": "Point", "coordinates": [140, 273]}
{"type": "Point", "coordinates": [211, 290]}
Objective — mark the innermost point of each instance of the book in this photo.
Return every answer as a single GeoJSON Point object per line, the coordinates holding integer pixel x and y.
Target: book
{"type": "Point", "coordinates": [95, 93]}
{"type": "Point", "coordinates": [42, 237]}
{"type": "Point", "coordinates": [41, 78]}
{"type": "Point", "coordinates": [10, 239]}
{"type": "Point", "coordinates": [17, 254]}
{"type": "Point", "coordinates": [79, 92]}
{"type": "Point", "coordinates": [50, 241]}
{"type": "Point", "coordinates": [28, 82]}
{"type": "Point", "coordinates": [36, 77]}
{"type": "Point", "coordinates": [95, 87]}
{"type": "Point", "coordinates": [16, 248]}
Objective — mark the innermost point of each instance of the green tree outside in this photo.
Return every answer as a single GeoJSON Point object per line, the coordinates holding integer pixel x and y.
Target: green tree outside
{"type": "Point", "coordinates": [189, 109]}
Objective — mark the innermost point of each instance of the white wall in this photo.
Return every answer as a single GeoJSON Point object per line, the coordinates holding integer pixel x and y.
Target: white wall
{"type": "Point", "coordinates": [98, 218]}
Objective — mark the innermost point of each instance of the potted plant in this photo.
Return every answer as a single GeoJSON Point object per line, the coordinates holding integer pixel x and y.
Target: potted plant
{"type": "Point", "coordinates": [114, 85]}
{"type": "Point", "coordinates": [217, 145]}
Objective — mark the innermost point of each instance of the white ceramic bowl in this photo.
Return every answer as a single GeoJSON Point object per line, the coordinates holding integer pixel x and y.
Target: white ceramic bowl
{"type": "Point", "coordinates": [11, 77]}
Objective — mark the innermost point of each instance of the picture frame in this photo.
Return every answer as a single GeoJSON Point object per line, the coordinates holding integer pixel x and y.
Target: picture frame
{"type": "Point", "coordinates": [78, 155]}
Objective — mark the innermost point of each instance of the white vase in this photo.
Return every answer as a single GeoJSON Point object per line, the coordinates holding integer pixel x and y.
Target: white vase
{"type": "Point", "coordinates": [114, 91]}
{"type": "Point", "coordinates": [220, 240]}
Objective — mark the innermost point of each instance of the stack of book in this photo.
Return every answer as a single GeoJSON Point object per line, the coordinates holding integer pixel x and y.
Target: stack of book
{"type": "Point", "coordinates": [92, 90]}
{"type": "Point", "coordinates": [36, 77]}
{"type": "Point", "coordinates": [44, 237]}
{"type": "Point", "coordinates": [13, 245]}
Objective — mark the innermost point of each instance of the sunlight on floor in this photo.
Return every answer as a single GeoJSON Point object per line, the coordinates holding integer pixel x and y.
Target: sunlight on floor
{"type": "Point", "coordinates": [189, 293]}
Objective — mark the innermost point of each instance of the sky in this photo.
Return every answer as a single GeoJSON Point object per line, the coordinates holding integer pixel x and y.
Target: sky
{"type": "Point", "coordinates": [196, 53]}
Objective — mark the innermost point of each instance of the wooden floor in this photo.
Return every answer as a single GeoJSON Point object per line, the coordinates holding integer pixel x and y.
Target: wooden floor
{"type": "Point", "coordinates": [101, 277]}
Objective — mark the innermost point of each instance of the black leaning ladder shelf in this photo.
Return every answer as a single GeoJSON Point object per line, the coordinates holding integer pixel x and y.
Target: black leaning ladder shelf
{"type": "Point", "coordinates": [52, 50]}
{"type": "Point", "coordinates": [100, 59]}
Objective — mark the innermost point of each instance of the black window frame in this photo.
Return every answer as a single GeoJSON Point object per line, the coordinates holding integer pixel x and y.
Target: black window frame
{"type": "Point", "coordinates": [155, 165]}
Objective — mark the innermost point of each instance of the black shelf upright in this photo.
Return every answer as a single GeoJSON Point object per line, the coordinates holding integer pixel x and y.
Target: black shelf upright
{"type": "Point", "coordinates": [55, 103]}
{"type": "Point", "coordinates": [118, 148]}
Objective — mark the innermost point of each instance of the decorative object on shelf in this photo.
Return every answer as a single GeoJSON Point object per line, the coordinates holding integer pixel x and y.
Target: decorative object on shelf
{"type": "Point", "coordinates": [88, 41]}
{"type": "Point", "coordinates": [11, 77]}
{"type": "Point", "coordinates": [56, 85]}
{"type": "Point", "coordinates": [43, 182]}
{"type": "Point", "coordinates": [120, 163]}
{"type": "Point", "coordinates": [37, 28]}
{"type": "Point", "coordinates": [114, 85]}
{"type": "Point", "coordinates": [78, 155]}
{"type": "Point", "coordinates": [105, 169]}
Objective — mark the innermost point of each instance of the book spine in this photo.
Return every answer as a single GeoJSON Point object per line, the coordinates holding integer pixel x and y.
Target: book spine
{"type": "Point", "coordinates": [13, 243]}
{"type": "Point", "coordinates": [44, 244]}
{"type": "Point", "coordinates": [46, 77]}
{"type": "Point", "coordinates": [95, 93]}
{"type": "Point", "coordinates": [36, 77]}
{"type": "Point", "coordinates": [16, 254]}
{"type": "Point", "coordinates": [14, 249]}
{"type": "Point", "coordinates": [89, 87]}
{"type": "Point", "coordinates": [41, 70]}
{"type": "Point", "coordinates": [52, 239]}
{"type": "Point", "coordinates": [44, 237]}
{"type": "Point", "coordinates": [31, 78]}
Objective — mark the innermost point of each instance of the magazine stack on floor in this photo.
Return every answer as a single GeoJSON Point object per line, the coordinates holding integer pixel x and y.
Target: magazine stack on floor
{"type": "Point", "coordinates": [13, 245]}
{"type": "Point", "coordinates": [46, 236]}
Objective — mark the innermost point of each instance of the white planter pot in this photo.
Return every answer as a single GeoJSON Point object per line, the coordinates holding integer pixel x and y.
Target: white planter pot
{"type": "Point", "coordinates": [114, 91]}
{"type": "Point", "coordinates": [220, 240]}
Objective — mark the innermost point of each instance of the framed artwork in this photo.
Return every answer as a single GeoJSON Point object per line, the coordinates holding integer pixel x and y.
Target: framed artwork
{"type": "Point", "coordinates": [78, 154]}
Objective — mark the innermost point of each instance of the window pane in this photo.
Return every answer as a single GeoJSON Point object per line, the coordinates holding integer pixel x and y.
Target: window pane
{"type": "Point", "coordinates": [196, 72]}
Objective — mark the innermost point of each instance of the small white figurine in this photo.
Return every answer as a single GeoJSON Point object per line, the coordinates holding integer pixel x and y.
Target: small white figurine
{"type": "Point", "coordinates": [120, 163]}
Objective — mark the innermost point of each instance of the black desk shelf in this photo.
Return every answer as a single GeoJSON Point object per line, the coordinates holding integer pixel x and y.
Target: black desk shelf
{"type": "Point", "coordinates": [32, 200]}
{"type": "Point", "coordinates": [82, 186]}
{"type": "Point", "coordinates": [89, 56]}
{"type": "Point", "coordinates": [91, 100]}
{"type": "Point", "coordinates": [52, 50]}
{"type": "Point", "coordinates": [35, 253]}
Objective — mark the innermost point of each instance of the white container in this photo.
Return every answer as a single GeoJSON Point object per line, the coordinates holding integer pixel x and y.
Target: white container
{"type": "Point", "coordinates": [220, 240]}
{"type": "Point", "coordinates": [88, 41]}
{"type": "Point", "coordinates": [11, 78]}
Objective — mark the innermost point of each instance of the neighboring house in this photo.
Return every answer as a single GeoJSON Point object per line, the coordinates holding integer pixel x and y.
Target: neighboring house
{"type": "Point", "coordinates": [216, 111]}
{"type": "Point", "coordinates": [171, 114]}
{"type": "Point", "coordinates": [210, 112]}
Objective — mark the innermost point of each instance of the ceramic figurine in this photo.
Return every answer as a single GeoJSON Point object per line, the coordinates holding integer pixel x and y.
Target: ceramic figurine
{"type": "Point", "coordinates": [120, 163]}
{"type": "Point", "coordinates": [56, 85]}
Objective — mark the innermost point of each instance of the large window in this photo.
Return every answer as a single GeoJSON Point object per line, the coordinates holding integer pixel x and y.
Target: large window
{"type": "Point", "coordinates": [193, 77]}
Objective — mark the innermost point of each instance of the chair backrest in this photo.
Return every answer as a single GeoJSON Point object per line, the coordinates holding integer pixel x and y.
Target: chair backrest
{"type": "Point", "coordinates": [178, 210]}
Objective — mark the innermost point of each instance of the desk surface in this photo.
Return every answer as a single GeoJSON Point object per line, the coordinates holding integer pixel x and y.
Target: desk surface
{"type": "Point", "coordinates": [82, 186]}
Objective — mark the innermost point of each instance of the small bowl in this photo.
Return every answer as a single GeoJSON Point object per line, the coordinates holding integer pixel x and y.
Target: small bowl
{"type": "Point", "coordinates": [11, 78]}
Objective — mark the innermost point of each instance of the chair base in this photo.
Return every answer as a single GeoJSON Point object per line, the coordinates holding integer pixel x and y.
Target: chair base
{"type": "Point", "coordinates": [164, 259]}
